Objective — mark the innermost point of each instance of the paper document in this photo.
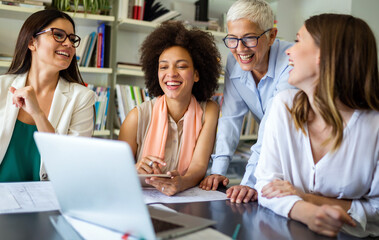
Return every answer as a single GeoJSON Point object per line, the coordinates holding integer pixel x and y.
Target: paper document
{"type": "Point", "coordinates": [27, 197]}
{"type": "Point", "coordinates": [208, 233]}
{"type": "Point", "coordinates": [195, 194]}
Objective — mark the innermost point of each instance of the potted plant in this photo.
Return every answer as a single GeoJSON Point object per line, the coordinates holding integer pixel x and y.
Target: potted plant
{"type": "Point", "coordinates": [86, 6]}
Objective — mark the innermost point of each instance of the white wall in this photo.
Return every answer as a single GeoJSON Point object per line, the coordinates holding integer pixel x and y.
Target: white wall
{"type": "Point", "coordinates": [368, 11]}
{"type": "Point", "coordinates": [291, 14]}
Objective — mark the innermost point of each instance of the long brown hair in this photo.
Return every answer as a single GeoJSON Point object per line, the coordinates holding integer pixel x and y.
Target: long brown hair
{"type": "Point", "coordinates": [348, 71]}
{"type": "Point", "coordinates": [22, 57]}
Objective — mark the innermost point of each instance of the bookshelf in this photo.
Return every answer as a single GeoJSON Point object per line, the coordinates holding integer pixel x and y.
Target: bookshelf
{"type": "Point", "coordinates": [122, 45]}
{"type": "Point", "coordinates": [16, 15]}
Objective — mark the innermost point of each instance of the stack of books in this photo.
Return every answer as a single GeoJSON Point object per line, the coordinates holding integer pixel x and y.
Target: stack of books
{"type": "Point", "coordinates": [35, 4]}
{"type": "Point", "coordinates": [127, 97]}
{"type": "Point", "coordinates": [94, 49]}
{"type": "Point", "coordinates": [101, 106]}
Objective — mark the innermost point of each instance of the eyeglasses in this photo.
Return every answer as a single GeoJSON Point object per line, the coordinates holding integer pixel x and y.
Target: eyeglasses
{"type": "Point", "coordinates": [60, 36]}
{"type": "Point", "coordinates": [249, 42]}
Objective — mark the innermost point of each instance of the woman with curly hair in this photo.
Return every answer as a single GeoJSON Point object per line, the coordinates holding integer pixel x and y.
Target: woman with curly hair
{"type": "Point", "coordinates": [175, 132]}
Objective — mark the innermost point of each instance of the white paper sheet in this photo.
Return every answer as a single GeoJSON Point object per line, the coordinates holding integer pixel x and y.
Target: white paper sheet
{"type": "Point", "coordinates": [194, 194]}
{"type": "Point", "coordinates": [27, 197]}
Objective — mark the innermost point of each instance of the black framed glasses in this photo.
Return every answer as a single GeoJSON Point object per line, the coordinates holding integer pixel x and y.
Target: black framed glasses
{"type": "Point", "coordinates": [249, 41]}
{"type": "Point", "coordinates": [60, 36]}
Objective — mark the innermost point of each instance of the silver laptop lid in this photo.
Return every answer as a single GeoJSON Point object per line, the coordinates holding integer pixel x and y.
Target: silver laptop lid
{"type": "Point", "coordinates": [77, 167]}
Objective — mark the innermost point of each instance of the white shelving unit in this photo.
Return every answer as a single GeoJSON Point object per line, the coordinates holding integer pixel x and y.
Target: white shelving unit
{"type": "Point", "coordinates": [88, 20]}
{"type": "Point", "coordinates": [110, 75]}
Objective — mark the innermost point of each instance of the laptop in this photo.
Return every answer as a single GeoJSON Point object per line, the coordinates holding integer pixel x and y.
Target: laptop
{"type": "Point", "coordinates": [95, 180]}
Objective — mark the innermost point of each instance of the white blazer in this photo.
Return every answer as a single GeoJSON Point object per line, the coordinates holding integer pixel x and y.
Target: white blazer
{"type": "Point", "coordinates": [71, 111]}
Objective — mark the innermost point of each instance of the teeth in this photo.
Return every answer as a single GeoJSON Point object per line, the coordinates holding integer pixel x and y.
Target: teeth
{"type": "Point", "coordinates": [173, 83]}
{"type": "Point", "coordinates": [290, 63]}
{"type": "Point", "coordinates": [63, 53]}
{"type": "Point", "coordinates": [246, 57]}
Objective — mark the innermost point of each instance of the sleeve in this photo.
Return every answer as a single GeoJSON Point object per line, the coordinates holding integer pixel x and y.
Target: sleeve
{"type": "Point", "coordinates": [365, 211]}
{"type": "Point", "coordinates": [270, 165]}
{"type": "Point", "coordinates": [249, 178]}
{"type": "Point", "coordinates": [229, 125]}
{"type": "Point", "coordinates": [82, 120]}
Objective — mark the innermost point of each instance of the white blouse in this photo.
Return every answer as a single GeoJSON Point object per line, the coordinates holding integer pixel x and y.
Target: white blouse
{"type": "Point", "coordinates": [351, 172]}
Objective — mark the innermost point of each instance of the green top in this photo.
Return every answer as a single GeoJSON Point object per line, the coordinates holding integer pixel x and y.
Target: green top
{"type": "Point", "coordinates": [22, 160]}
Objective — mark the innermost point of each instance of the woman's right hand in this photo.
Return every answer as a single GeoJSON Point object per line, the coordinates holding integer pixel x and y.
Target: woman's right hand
{"type": "Point", "coordinates": [26, 99]}
{"type": "Point", "coordinates": [150, 165]}
{"type": "Point", "coordinates": [328, 220]}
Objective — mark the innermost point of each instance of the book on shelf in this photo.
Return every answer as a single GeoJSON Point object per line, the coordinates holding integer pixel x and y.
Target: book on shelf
{"type": "Point", "coordinates": [167, 16]}
{"type": "Point", "coordinates": [100, 45]}
{"type": "Point", "coordinates": [107, 46]}
{"type": "Point", "coordinates": [89, 49]}
{"type": "Point", "coordinates": [101, 105]}
{"type": "Point", "coordinates": [127, 97]}
{"type": "Point", "coordinates": [81, 50]}
{"type": "Point", "coordinates": [129, 66]}
{"type": "Point", "coordinates": [138, 9]}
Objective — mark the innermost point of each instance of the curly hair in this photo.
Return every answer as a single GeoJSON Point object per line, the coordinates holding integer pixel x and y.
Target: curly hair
{"type": "Point", "coordinates": [199, 44]}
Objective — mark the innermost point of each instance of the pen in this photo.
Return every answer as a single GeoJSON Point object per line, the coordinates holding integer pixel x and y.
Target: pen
{"type": "Point", "coordinates": [235, 233]}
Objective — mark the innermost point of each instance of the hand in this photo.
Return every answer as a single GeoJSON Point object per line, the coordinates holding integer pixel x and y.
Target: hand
{"type": "Point", "coordinates": [328, 220]}
{"type": "Point", "coordinates": [280, 188]}
{"type": "Point", "coordinates": [26, 99]}
{"type": "Point", "coordinates": [241, 193]}
{"type": "Point", "coordinates": [212, 181]}
{"type": "Point", "coordinates": [169, 186]}
{"type": "Point", "coordinates": [150, 165]}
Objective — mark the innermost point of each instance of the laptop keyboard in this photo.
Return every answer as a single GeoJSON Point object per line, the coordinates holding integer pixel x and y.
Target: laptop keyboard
{"type": "Point", "coordinates": [160, 225]}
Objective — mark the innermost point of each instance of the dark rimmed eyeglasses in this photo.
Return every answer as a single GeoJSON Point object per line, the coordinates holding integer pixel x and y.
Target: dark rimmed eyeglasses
{"type": "Point", "coordinates": [249, 41]}
{"type": "Point", "coordinates": [60, 36]}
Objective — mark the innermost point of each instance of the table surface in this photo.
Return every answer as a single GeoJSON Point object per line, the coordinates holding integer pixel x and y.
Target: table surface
{"type": "Point", "coordinates": [256, 222]}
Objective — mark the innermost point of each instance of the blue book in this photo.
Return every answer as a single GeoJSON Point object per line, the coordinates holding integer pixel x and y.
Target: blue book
{"type": "Point", "coordinates": [100, 44]}
{"type": "Point", "coordinates": [89, 51]}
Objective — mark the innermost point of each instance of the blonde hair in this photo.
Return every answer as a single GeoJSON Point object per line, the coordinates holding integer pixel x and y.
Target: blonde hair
{"type": "Point", "coordinates": [348, 71]}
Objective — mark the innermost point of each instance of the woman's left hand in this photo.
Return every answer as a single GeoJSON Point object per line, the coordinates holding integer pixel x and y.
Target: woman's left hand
{"type": "Point", "coordinates": [280, 188]}
{"type": "Point", "coordinates": [168, 186]}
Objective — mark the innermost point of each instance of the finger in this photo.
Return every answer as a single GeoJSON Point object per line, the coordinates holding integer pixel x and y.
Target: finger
{"type": "Point", "coordinates": [337, 213]}
{"type": "Point", "coordinates": [156, 169]}
{"type": "Point", "coordinates": [12, 89]}
{"type": "Point", "coordinates": [226, 181]}
{"type": "Point", "coordinates": [173, 173]}
{"type": "Point", "coordinates": [241, 195]}
{"type": "Point", "coordinates": [214, 184]}
{"type": "Point", "coordinates": [208, 184]}
{"type": "Point", "coordinates": [266, 187]}
{"type": "Point", "coordinates": [201, 183]}
{"type": "Point", "coordinates": [146, 167]}
{"type": "Point", "coordinates": [249, 195]}
{"type": "Point", "coordinates": [229, 192]}
{"type": "Point", "coordinates": [157, 160]}
{"type": "Point", "coordinates": [234, 194]}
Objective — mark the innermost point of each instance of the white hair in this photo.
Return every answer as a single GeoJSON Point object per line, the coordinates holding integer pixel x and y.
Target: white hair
{"type": "Point", "coordinates": [256, 11]}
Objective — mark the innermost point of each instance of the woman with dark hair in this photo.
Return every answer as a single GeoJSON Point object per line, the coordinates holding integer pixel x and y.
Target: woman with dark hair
{"type": "Point", "coordinates": [175, 132]}
{"type": "Point", "coordinates": [42, 91]}
{"type": "Point", "coordinates": [326, 175]}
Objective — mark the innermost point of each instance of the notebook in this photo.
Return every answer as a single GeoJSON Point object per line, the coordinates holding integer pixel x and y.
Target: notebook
{"type": "Point", "coordinates": [95, 180]}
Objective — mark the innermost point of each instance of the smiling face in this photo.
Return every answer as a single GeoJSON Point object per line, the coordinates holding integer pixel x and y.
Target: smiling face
{"type": "Point", "coordinates": [176, 73]}
{"type": "Point", "coordinates": [48, 53]}
{"type": "Point", "coordinates": [256, 58]}
{"type": "Point", "coordinates": [304, 56]}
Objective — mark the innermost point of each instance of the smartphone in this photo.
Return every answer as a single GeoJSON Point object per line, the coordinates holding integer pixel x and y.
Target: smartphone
{"type": "Point", "coordinates": [142, 178]}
